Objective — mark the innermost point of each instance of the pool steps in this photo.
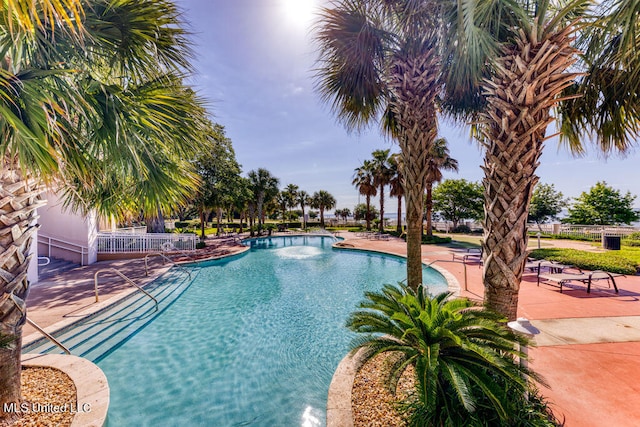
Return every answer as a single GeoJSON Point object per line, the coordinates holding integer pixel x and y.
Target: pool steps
{"type": "Point", "coordinates": [97, 335]}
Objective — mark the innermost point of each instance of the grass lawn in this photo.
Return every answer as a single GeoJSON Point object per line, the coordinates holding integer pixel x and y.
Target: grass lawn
{"type": "Point", "coordinates": [625, 261]}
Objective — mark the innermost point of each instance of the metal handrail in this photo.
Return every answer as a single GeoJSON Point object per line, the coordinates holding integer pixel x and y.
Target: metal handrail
{"type": "Point", "coordinates": [22, 310]}
{"type": "Point", "coordinates": [84, 250]}
{"type": "Point", "coordinates": [160, 254]}
{"type": "Point", "coordinates": [128, 280]}
{"type": "Point", "coordinates": [48, 336]}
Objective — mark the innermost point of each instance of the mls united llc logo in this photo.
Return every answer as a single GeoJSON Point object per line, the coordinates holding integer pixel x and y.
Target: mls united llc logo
{"type": "Point", "coordinates": [28, 407]}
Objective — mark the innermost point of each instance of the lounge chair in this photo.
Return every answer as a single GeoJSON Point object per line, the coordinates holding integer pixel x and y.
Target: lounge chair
{"type": "Point", "coordinates": [471, 255]}
{"type": "Point", "coordinates": [560, 279]}
{"type": "Point", "coordinates": [536, 266]}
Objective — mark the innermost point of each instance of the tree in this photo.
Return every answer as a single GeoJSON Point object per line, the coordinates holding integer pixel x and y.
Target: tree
{"type": "Point", "coordinates": [437, 160]}
{"type": "Point", "coordinates": [458, 199]}
{"type": "Point", "coordinates": [516, 61]}
{"type": "Point", "coordinates": [545, 204]}
{"type": "Point", "coordinates": [282, 200]}
{"type": "Point", "coordinates": [219, 172]}
{"type": "Point", "coordinates": [264, 187]}
{"type": "Point", "coordinates": [323, 200]}
{"type": "Point", "coordinates": [464, 358]}
{"type": "Point", "coordinates": [378, 64]}
{"type": "Point", "coordinates": [395, 182]}
{"type": "Point", "coordinates": [303, 200]}
{"type": "Point", "coordinates": [603, 205]}
{"type": "Point", "coordinates": [291, 194]}
{"type": "Point", "coordinates": [92, 100]}
{"type": "Point", "coordinates": [343, 213]}
{"type": "Point", "coordinates": [381, 177]}
{"type": "Point", "coordinates": [364, 182]}
{"type": "Point", "coordinates": [362, 211]}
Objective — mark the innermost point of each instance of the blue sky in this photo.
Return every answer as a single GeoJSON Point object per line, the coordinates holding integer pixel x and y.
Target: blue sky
{"type": "Point", "coordinates": [254, 62]}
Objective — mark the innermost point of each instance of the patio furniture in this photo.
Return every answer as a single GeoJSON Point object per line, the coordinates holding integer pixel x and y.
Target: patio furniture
{"type": "Point", "coordinates": [471, 255]}
{"type": "Point", "coordinates": [560, 279]}
{"type": "Point", "coordinates": [536, 266]}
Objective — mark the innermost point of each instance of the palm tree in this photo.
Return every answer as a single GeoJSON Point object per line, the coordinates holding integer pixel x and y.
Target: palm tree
{"type": "Point", "coordinates": [459, 352]}
{"type": "Point", "coordinates": [291, 192]}
{"type": "Point", "coordinates": [303, 199]}
{"type": "Point", "coordinates": [76, 108]}
{"type": "Point", "coordinates": [534, 67]}
{"type": "Point", "coordinates": [363, 180]}
{"type": "Point", "coordinates": [377, 59]}
{"type": "Point", "coordinates": [264, 187]}
{"type": "Point", "coordinates": [323, 200]}
{"type": "Point", "coordinates": [282, 201]}
{"type": "Point", "coordinates": [396, 186]}
{"type": "Point", "coordinates": [438, 159]}
{"type": "Point", "coordinates": [381, 177]}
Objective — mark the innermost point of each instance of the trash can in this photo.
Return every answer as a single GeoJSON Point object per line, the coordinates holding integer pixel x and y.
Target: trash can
{"type": "Point", "coordinates": [611, 242]}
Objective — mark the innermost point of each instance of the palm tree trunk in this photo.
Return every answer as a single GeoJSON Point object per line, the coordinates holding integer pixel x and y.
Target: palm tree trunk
{"type": "Point", "coordinates": [367, 215]}
{"type": "Point", "coordinates": [19, 199]}
{"type": "Point", "coordinates": [381, 226]}
{"type": "Point", "coordinates": [399, 221]}
{"type": "Point", "coordinates": [415, 87]}
{"type": "Point", "coordinates": [218, 221]}
{"type": "Point", "coordinates": [322, 217]}
{"type": "Point", "coordinates": [429, 205]}
{"type": "Point", "coordinates": [304, 220]}
{"type": "Point", "coordinates": [526, 86]}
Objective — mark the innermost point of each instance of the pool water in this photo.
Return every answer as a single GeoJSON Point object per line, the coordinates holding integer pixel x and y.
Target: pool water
{"type": "Point", "coordinates": [254, 340]}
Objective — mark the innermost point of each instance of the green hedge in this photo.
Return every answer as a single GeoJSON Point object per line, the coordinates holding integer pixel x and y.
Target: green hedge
{"type": "Point", "coordinates": [607, 261]}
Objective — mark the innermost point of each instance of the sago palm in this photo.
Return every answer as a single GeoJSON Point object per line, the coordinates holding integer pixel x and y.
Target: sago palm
{"type": "Point", "coordinates": [68, 121]}
{"type": "Point", "coordinates": [464, 358]}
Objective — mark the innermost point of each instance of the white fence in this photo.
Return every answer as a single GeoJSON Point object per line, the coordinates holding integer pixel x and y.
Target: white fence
{"type": "Point", "coordinates": [109, 243]}
{"type": "Point", "coordinates": [586, 231]}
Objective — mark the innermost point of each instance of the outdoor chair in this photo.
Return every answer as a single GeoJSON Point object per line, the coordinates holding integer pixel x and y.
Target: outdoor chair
{"type": "Point", "coordinates": [470, 255]}
{"type": "Point", "coordinates": [560, 279]}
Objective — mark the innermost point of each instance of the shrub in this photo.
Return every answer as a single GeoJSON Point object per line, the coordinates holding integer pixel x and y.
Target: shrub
{"type": "Point", "coordinates": [607, 261]}
{"type": "Point", "coordinates": [464, 229]}
{"type": "Point", "coordinates": [464, 358]}
{"type": "Point", "coordinates": [435, 240]}
{"type": "Point", "coordinates": [201, 245]}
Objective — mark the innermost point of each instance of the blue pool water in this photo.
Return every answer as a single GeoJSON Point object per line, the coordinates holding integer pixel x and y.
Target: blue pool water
{"type": "Point", "coordinates": [254, 340]}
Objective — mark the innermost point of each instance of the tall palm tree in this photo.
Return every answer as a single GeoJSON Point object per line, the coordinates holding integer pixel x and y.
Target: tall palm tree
{"type": "Point", "coordinates": [537, 68]}
{"type": "Point", "coordinates": [381, 178]}
{"type": "Point", "coordinates": [291, 192]}
{"type": "Point", "coordinates": [438, 160]}
{"type": "Point", "coordinates": [323, 200]}
{"type": "Point", "coordinates": [377, 59]}
{"type": "Point", "coordinates": [100, 112]}
{"type": "Point", "coordinates": [282, 200]}
{"type": "Point", "coordinates": [396, 190]}
{"type": "Point", "coordinates": [303, 200]}
{"type": "Point", "coordinates": [265, 188]}
{"type": "Point", "coordinates": [363, 181]}
{"type": "Point", "coordinates": [464, 358]}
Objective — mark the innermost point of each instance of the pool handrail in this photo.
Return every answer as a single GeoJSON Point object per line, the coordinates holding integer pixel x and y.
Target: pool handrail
{"type": "Point", "coordinates": [128, 280]}
{"type": "Point", "coordinates": [48, 336]}
{"type": "Point", "coordinates": [164, 257]}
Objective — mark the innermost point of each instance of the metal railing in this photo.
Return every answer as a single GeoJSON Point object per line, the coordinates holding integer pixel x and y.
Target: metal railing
{"type": "Point", "coordinates": [164, 257]}
{"type": "Point", "coordinates": [128, 280]}
{"type": "Point", "coordinates": [22, 309]}
{"type": "Point", "coordinates": [48, 336]}
{"type": "Point", "coordinates": [584, 231]}
{"type": "Point", "coordinates": [148, 242]}
{"type": "Point", "coordinates": [54, 242]}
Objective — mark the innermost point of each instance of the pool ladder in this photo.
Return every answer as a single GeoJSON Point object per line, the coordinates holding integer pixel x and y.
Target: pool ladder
{"type": "Point", "coordinates": [50, 337]}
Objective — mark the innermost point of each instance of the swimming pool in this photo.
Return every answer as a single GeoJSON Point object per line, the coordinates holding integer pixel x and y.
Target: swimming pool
{"type": "Point", "coordinates": [254, 340]}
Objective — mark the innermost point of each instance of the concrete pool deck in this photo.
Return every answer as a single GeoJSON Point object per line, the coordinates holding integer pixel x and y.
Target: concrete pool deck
{"type": "Point", "coordinates": [587, 350]}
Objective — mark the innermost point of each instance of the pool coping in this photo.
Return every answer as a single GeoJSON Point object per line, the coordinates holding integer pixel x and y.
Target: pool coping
{"type": "Point", "coordinates": [92, 387]}
{"type": "Point", "coordinates": [339, 407]}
